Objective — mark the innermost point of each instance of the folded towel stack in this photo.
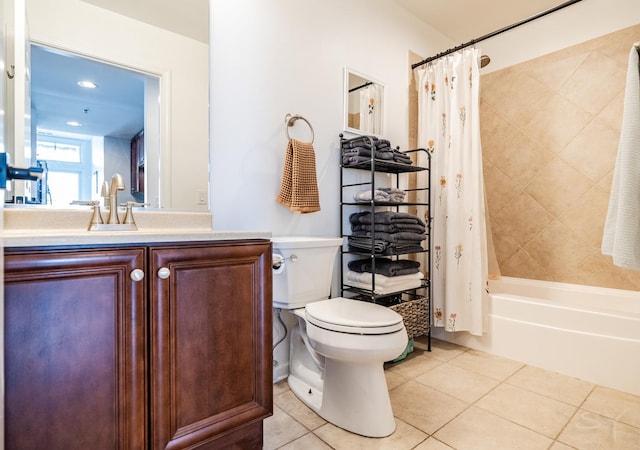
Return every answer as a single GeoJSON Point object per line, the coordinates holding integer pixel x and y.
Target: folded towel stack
{"type": "Point", "coordinates": [391, 276]}
{"type": "Point", "coordinates": [387, 232]}
{"type": "Point", "coordinates": [381, 195]}
{"type": "Point", "coordinates": [384, 285]}
{"type": "Point", "coordinates": [385, 266]}
{"type": "Point", "coordinates": [362, 148]}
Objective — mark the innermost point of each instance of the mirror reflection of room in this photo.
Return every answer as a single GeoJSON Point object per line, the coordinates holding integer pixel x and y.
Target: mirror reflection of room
{"type": "Point", "coordinates": [365, 104]}
{"type": "Point", "coordinates": [87, 123]}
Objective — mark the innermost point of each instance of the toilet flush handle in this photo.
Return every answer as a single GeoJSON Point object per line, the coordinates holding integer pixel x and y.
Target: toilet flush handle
{"type": "Point", "coordinates": [278, 260]}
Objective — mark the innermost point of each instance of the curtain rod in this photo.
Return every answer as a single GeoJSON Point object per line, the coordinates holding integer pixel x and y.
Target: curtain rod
{"type": "Point", "coordinates": [495, 33]}
{"type": "Point", "coordinates": [368, 83]}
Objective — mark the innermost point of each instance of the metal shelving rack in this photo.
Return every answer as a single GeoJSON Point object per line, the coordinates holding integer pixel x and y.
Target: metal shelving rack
{"type": "Point", "coordinates": [396, 170]}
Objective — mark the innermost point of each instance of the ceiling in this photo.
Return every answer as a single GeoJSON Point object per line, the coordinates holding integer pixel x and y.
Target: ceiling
{"type": "Point", "coordinates": [186, 17]}
{"type": "Point", "coordinates": [115, 108]}
{"type": "Point", "coordinates": [464, 20]}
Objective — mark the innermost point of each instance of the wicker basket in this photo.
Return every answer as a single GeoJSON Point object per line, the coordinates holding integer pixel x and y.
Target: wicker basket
{"type": "Point", "coordinates": [415, 314]}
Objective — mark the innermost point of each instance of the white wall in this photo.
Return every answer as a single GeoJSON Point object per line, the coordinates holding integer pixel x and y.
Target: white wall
{"type": "Point", "coordinates": [577, 23]}
{"type": "Point", "coordinates": [273, 57]}
{"type": "Point", "coordinates": [79, 27]}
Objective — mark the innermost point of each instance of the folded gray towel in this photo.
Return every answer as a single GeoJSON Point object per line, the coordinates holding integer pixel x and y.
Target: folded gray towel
{"type": "Point", "coordinates": [384, 217]}
{"type": "Point", "coordinates": [402, 236]}
{"type": "Point", "coordinates": [384, 266]}
{"type": "Point", "coordinates": [360, 141]}
{"type": "Point", "coordinates": [389, 227]}
{"type": "Point", "coordinates": [382, 248]}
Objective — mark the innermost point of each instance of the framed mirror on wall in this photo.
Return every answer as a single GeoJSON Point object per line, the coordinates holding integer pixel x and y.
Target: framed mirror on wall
{"type": "Point", "coordinates": [168, 58]}
{"type": "Point", "coordinates": [363, 104]}
{"type": "Point", "coordinates": [85, 117]}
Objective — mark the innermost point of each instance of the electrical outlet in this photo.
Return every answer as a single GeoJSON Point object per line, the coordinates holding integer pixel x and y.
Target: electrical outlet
{"type": "Point", "coordinates": [202, 198]}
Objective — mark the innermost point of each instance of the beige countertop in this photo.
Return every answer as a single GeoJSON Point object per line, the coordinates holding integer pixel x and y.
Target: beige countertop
{"type": "Point", "coordinates": [27, 227]}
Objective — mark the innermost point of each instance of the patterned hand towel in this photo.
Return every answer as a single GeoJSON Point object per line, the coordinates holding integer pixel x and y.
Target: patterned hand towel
{"type": "Point", "coordinates": [299, 187]}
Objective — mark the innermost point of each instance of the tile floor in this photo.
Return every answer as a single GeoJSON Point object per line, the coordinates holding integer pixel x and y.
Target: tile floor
{"type": "Point", "coordinates": [454, 397]}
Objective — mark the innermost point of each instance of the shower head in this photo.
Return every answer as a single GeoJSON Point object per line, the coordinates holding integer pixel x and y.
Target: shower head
{"type": "Point", "coordinates": [484, 61]}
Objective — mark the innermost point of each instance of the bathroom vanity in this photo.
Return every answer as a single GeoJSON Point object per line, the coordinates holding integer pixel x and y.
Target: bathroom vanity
{"type": "Point", "coordinates": [164, 342]}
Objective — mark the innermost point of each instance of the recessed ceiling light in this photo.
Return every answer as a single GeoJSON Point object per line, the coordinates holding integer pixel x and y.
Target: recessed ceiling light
{"type": "Point", "coordinates": [87, 84]}
{"type": "Point", "coordinates": [73, 123]}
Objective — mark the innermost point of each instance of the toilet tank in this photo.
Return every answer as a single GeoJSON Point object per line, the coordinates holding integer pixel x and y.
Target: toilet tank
{"type": "Point", "coordinates": [305, 272]}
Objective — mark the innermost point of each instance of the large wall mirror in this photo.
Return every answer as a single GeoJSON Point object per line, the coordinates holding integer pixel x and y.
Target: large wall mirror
{"type": "Point", "coordinates": [363, 103]}
{"type": "Point", "coordinates": [89, 120]}
{"type": "Point", "coordinates": [147, 119]}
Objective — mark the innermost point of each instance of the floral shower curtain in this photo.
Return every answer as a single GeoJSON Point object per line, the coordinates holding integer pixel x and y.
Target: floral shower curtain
{"type": "Point", "coordinates": [449, 128]}
{"type": "Point", "coordinates": [371, 109]}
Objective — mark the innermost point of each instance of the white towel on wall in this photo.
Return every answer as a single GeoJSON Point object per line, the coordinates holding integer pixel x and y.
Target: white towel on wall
{"type": "Point", "coordinates": [621, 238]}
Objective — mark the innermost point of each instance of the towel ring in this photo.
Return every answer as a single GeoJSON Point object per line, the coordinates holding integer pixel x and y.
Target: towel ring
{"type": "Point", "coordinates": [290, 119]}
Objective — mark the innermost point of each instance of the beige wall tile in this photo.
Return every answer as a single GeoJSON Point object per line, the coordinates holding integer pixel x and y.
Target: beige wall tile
{"type": "Point", "coordinates": [586, 218]}
{"type": "Point", "coordinates": [612, 113]}
{"type": "Point", "coordinates": [557, 249]}
{"type": "Point", "coordinates": [522, 265]}
{"type": "Point", "coordinates": [523, 218]}
{"type": "Point", "coordinates": [558, 187]}
{"type": "Point", "coordinates": [593, 152]}
{"type": "Point", "coordinates": [554, 70]}
{"type": "Point", "coordinates": [555, 122]}
{"type": "Point", "coordinates": [499, 188]}
{"type": "Point", "coordinates": [598, 79]}
{"type": "Point", "coordinates": [505, 247]}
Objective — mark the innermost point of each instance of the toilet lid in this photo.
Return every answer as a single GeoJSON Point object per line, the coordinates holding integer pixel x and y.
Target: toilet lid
{"type": "Point", "coordinates": [353, 316]}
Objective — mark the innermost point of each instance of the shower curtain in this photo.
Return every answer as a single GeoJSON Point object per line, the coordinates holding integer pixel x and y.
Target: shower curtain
{"type": "Point", "coordinates": [449, 128]}
{"type": "Point", "coordinates": [371, 110]}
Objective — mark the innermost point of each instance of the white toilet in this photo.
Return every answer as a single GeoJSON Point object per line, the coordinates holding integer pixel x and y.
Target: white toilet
{"type": "Point", "coordinates": [339, 345]}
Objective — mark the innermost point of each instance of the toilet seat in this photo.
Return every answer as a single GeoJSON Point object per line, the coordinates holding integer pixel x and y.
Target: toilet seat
{"type": "Point", "coordinates": [353, 317]}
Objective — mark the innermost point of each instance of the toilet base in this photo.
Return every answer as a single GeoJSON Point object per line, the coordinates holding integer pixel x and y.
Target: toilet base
{"type": "Point", "coordinates": [353, 397]}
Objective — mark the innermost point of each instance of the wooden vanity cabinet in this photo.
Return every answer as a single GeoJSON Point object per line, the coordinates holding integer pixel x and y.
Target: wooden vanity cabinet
{"type": "Point", "coordinates": [179, 359]}
{"type": "Point", "coordinates": [211, 336]}
{"type": "Point", "coordinates": [75, 354]}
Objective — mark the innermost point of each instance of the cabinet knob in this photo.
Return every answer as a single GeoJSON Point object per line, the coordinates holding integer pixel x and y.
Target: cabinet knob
{"type": "Point", "coordinates": [164, 273]}
{"type": "Point", "coordinates": [137, 274]}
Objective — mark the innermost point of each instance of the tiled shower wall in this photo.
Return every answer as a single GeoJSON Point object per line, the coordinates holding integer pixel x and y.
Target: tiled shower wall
{"type": "Point", "coordinates": [550, 129]}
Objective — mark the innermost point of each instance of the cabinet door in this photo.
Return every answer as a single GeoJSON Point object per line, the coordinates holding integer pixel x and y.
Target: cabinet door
{"type": "Point", "coordinates": [211, 356]}
{"type": "Point", "coordinates": [74, 350]}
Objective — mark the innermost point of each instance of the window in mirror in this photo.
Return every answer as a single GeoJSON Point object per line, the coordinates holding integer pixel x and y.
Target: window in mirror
{"type": "Point", "coordinates": [73, 170]}
{"type": "Point", "coordinates": [364, 104]}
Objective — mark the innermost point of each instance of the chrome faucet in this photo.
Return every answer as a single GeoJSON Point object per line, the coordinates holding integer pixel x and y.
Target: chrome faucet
{"type": "Point", "coordinates": [117, 184]}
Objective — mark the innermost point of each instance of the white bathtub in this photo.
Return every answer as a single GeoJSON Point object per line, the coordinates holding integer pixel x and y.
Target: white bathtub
{"type": "Point", "coordinates": [586, 332]}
